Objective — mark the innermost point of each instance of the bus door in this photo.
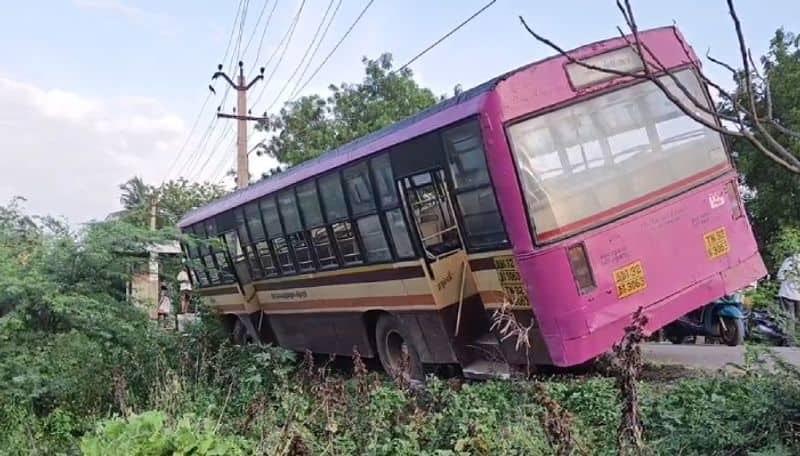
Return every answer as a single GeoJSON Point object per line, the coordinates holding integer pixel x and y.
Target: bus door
{"type": "Point", "coordinates": [241, 269]}
{"type": "Point", "coordinates": [430, 211]}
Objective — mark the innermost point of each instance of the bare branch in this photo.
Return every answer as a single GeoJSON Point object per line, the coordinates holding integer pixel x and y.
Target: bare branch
{"type": "Point", "coordinates": [733, 72]}
{"type": "Point", "coordinates": [668, 93]}
{"type": "Point", "coordinates": [744, 52]}
{"type": "Point", "coordinates": [588, 66]}
{"type": "Point", "coordinates": [655, 71]}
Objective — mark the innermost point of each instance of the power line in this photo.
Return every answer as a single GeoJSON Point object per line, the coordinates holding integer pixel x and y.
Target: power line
{"type": "Point", "coordinates": [226, 132]}
{"type": "Point", "coordinates": [330, 54]}
{"type": "Point", "coordinates": [339, 43]}
{"type": "Point", "coordinates": [446, 35]}
{"type": "Point", "coordinates": [201, 148]}
{"type": "Point", "coordinates": [188, 137]}
{"type": "Point", "coordinates": [240, 18]}
{"type": "Point", "coordinates": [240, 10]}
{"type": "Point", "coordinates": [205, 102]}
{"type": "Point", "coordinates": [303, 59]}
{"type": "Point", "coordinates": [241, 30]}
{"type": "Point", "coordinates": [289, 34]}
{"type": "Point", "coordinates": [316, 49]}
{"type": "Point", "coordinates": [264, 31]}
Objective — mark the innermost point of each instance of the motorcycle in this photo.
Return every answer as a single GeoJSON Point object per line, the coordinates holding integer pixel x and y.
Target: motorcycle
{"type": "Point", "coordinates": [763, 327]}
{"type": "Point", "coordinates": [723, 318]}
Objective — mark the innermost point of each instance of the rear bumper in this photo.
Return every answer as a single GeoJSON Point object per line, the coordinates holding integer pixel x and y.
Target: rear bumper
{"type": "Point", "coordinates": [609, 324]}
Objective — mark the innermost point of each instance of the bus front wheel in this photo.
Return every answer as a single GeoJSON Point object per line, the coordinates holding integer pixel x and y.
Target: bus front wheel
{"type": "Point", "coordinates": [397, 353]}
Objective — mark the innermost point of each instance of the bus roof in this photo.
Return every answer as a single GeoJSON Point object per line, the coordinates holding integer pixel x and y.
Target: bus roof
{"type": "Point", "coordinates": [439, 115]}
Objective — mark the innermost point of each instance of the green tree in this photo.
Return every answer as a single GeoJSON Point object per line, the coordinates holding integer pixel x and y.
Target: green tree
{"type": "Point", "coordinates": [134, 193]}
{"type": "Point", "coordinates": [776, 191]}
{"type": "Point", "coordinates": [175, 199]}
{"type": "Point", "coordinates": [313, 124]}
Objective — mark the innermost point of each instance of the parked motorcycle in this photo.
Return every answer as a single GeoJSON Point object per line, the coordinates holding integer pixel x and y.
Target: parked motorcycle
{"type": "Point", "coordinates": [723, 318]}
{"type": "Point", "coordinates": [763, 327]}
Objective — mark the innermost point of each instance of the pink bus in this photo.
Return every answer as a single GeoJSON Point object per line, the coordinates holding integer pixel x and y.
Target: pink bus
{"type": "Point", "coordinates": [570, 195]}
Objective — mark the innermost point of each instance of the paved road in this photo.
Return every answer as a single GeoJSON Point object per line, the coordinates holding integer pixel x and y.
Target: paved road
{"type": "Point", "coordinates": [710, 357]}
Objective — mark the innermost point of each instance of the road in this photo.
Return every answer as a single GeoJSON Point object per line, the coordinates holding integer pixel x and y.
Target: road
{"type": "Point", "coordinates": [711, 357]}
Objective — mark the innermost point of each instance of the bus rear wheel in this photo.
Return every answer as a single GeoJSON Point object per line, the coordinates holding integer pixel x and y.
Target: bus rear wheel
{"type": "Point", "coordinates": [395, 350]}
{"type": "Point", "coordinates": [239, 335]}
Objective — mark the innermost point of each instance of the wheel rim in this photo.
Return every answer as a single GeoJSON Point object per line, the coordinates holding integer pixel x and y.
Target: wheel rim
{"type": "Point", "coordinates": [728, 329]}
{"type": "Point", "coordinates": [395, 346]}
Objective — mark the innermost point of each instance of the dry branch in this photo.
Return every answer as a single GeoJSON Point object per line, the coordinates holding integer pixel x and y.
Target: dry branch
{"type": "Point", "coordinates": [746, 121]}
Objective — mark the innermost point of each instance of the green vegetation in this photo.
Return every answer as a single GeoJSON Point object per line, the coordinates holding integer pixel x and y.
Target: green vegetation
{"type": "Point", "coordinates": [773, 208]}
{"type": "Point", "coordinates": [83, 372]}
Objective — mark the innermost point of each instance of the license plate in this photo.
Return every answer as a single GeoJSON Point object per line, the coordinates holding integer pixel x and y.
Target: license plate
{"type": "Point", "coordinates": [717, 243]}
{"type": "Point", "coordinates": [629, 280]}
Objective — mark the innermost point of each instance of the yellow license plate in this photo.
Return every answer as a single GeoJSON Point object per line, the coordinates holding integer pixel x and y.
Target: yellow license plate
{"type": "Point", "coordinates": [629, 280]}
{"type": "Point", "coordinates": [717, 243]}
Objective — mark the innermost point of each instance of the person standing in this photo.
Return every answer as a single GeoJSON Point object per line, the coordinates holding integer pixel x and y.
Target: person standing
{"type": "Point", "coordinates": [789, 294]}
{"type": "Point", "coordinates": [185, 286]}
{"type": "Point", "coordinates": [164, 304]}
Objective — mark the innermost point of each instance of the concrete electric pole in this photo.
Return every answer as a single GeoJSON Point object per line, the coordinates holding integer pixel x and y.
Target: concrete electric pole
{"type": "Point", "coordinates": [242, 115]}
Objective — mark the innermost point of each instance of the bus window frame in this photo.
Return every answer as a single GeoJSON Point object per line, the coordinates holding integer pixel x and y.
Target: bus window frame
{"type": "Point", "coordinates": [603, 88]}
{"type": "Point", "coordinates": [454, 193]}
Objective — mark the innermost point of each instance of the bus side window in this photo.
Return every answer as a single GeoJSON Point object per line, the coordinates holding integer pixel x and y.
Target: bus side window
{"type": "Point", "coordinates": [330, 187]}
{"type": "Point", "coordinates": [384, 180]}
{"type": "Point", "coordinates": [474, 193]}
{"type": "Point", "coordinates": [323, 248]}
{"type": "Point", "coordinates": [346, 241]}
{"type": "Point", "coordinates": [359, 188]}
{"type": "Point", "coordinates": [399, 232]}
{"type": "Point", "coordinates": [375, 245]}
{"type": "Point", "coordinates": [282, 252]}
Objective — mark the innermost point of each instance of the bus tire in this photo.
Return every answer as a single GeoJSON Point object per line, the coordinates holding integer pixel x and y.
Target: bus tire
{"type": "Point", "coordinates": [239, 334]}
{"type": "Point", "coordinates": [391, 342]}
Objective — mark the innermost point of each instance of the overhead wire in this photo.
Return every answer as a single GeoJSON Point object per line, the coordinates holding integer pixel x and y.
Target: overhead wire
{"type": "Point", "coordinates": [287, 38]}
{"type": "Point", "coordinates": [336, 46]}
{"type": "Point", "coordinates": [302, 59]}
{"type": "Point", "coordinates": [263, 33]}
{"type": "Point", "coordinates": [445, 36]}
{"type": "Point", "coordinates": [172, 165]}
{"type": "Point", "coordinates": [228, 129]}
{"type": "Point", "coordinates": [212, 124]}
{"type": "Point", "coordinates": [330, 53]}
{"type": "Point", "coordinates": [178, 156]}
{"type": "Point", "coordinates": [202, 151]}
{"type": "Point", "coordinates": [316, 49]}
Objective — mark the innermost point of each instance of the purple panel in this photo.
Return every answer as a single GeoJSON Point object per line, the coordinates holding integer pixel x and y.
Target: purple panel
{"type": "Point", "coordinates": [335, 159]}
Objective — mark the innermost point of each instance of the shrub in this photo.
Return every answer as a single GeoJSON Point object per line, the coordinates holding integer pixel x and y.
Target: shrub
{"type": "Point", "coordinates": [150, 434]}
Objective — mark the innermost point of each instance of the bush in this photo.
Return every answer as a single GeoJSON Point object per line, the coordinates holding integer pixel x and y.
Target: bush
{"type": "Point", "coordinates": [150, 434]}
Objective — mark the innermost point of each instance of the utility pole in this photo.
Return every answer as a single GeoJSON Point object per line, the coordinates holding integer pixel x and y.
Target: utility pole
{"type": "Point", "coordinates": [242, 115]}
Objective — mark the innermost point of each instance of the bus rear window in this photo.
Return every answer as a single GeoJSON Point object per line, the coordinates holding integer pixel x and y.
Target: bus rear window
{"type": "Point", "coordinates": [605, 156]}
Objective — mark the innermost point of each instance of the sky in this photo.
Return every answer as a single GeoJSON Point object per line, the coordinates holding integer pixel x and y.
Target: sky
{"type": "Point", "coordinates": [94, 92]}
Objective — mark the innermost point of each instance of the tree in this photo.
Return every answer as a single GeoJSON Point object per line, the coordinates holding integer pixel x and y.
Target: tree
{"type": "Point", "coordinates": [134, 193]}
{"type": "Point", "coordinates": [311, 125]}
{"type": "Point", "coordinates": [774, 206]}
{"type": "Point", "coordinates": [175, 199]}
{"type": "Point", "coordinates": [747, 120]}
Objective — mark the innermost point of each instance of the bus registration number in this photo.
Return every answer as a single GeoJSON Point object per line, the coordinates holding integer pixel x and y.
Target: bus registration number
{"type": "Point", "coordinates": [717, 243]}
{"type": "Point", "coordinates": [629, 280]}
{"type": "Point", "coordinates": [510, 281]}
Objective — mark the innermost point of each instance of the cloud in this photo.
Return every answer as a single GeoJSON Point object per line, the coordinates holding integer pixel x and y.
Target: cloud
{"type": "Point", "coordinates": [166, 25]}
{"type": "Point", "coordinates": [67, 153]}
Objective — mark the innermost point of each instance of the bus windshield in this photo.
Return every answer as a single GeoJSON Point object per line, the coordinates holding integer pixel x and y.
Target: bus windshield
{"type": "Point", "coordinates": [612, 154]}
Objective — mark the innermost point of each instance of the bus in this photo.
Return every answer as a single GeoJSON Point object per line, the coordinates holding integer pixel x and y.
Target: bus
{"type": "Point", "coordinates": [570, 196]}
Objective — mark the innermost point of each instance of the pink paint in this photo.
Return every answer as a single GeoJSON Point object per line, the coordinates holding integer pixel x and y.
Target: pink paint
{"type": "Point", "coordinates": [667, 238]}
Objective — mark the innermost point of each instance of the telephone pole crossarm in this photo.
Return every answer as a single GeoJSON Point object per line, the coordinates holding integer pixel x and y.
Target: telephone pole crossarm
{"type": "Point", "coordinates": [242, 163]}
